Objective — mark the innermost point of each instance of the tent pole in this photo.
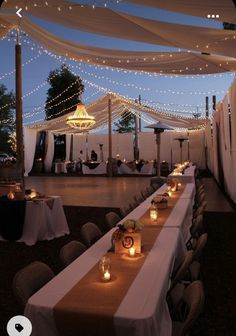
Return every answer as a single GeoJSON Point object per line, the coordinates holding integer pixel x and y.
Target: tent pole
{"type": "Point", "coordinates": [19, 119]}
{"type": "Point", "coordinates": [109, 139]}
{"type": "Point", "coordinates": [140, 120]}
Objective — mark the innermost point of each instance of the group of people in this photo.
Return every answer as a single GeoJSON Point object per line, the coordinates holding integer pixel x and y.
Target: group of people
{"type": "Point", "coordinates": [93, 156]}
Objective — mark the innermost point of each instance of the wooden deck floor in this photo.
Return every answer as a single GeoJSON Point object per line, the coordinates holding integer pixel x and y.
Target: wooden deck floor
{"type": "Point", "coordinates": [115, 192]}
{"type": "Point", "coordinates": [94, 191]}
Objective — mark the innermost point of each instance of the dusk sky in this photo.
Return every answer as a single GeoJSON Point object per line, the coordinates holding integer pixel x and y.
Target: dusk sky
{"type": "Point", "coordinates": [150, 87]}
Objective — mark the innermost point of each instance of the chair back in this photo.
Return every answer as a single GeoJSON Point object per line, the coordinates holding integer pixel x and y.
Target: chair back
{"type": "Point", "coordinates": [71, 251]}
{"type": "Point", "coordinates": [201, 242]}
{"type": "Point", "coordinates": [196, 229]}
{"type": "Point", "coordinates": [182, 270]}
{"type": "Point", "coordinates": [90, 233]}
{"type": "Point", "coordinates": [29, 280]}
{"type": "Point", "coordinates": [111, 219]}
{"type": "Point", "coordinates": [194, 298]}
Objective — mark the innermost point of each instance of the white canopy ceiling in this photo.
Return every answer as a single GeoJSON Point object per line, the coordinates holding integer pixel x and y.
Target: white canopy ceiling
{"type": "Point", "coordinates": [226, 9]}
{"type": "Point", "coordinates": [105, 21]}
{"type": "Point", "coordinates": [99, 109]}
{"type": "Point", "coordinates": [153, 62]}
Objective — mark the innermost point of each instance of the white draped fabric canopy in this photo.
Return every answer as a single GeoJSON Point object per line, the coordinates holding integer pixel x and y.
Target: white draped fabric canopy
{"type": "Point", "coordinates": [226, 9]}
{"type": "Point", "coordinates": [113, 23]}
{"type": "Point", "coordinates": [184, 63]}
{"type": "Point", "coordinates": [119, 104]}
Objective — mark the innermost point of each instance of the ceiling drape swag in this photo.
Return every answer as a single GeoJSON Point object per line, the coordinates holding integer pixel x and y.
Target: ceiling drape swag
{"type": "Point", "coordinates": [184, 63]}
{"type": "Point", "coordinates": [104, 21]}
{"type": "Point", "coordinates": [201, 8]}
{"type": "Point", "coordinates": [98, 109]}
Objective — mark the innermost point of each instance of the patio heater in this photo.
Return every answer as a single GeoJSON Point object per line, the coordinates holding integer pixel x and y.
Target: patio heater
{"type": "Point", "coordinates": [181, 140]}
{"type": "Point", "coordinates": [158, 129]}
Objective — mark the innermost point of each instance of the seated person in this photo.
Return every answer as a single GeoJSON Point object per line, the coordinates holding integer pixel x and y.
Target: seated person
{"type": "Point", "coordinates": [94, 156]}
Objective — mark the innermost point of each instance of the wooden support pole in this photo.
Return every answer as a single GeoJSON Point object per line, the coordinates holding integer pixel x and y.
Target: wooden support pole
{"type": "Point", "coordinates": [109, 139]}
{"type": "Point", "coordinates": [207, 107]}
{"type": "Point", "coordinates": [140, 120]}
{"type": "Point", "coordinates": [19, 119]}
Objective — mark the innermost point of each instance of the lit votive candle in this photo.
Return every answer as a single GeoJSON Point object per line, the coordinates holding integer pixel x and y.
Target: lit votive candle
{"type": "Point", "coordinates": [179, 185]}
{"type": "Point", "coordinates": [107, 276]}
{"type": "Point", "coordinates": [132, 251]}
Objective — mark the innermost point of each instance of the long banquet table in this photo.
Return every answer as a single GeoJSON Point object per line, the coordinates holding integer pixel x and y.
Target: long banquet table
{"type": "Point", "coordinates": [141, 311]}
{"type": "Point", "coordinates": [187, 177]}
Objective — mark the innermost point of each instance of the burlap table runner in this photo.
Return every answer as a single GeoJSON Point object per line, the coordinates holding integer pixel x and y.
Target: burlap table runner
{"type": "Point", "coordinates": [89, 307]}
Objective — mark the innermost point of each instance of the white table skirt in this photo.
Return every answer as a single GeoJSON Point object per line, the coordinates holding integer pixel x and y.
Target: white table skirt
{"type": "Point", "coordinates": [60, 167]}
{"type": "Point", "coordinates": [101, 169]}
{"type": "Point", "coordinates": [143, 310]}
{"type": "Point", "coordinates": [147, 169]}
{"type": "Point", "coordinates": [43, 223]}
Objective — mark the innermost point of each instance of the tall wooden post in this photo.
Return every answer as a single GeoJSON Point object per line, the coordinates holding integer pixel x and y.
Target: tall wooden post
{"type": "Point", "coordinates": [140, 120]}
{"type": "Point", "coordinates": [207, 107]}
{"type": "Point", "coordinates": [19, 119]}
{"type": "Point", "coordinates": [136, 150]}
{"type": "Point", "coordinates": [71, 147]}
{"type": "Point", "coordinates": [109, 139]}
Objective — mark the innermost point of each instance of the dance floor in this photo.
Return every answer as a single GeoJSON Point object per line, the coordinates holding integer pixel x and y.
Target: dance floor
{"type": "Point", "coordinates": [115, 192]}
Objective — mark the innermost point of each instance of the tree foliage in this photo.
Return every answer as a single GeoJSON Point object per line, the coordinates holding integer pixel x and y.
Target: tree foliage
{"type": "Point", "coordinates": [126, 124]}
{"type": "Point", "coordinates": [64, 92]}
{"type": "Point", "coordinates": [7, 120]}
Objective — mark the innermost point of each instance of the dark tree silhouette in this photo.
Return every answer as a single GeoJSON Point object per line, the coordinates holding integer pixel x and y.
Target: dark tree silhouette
{"type": "Point", "coordinates": [7, 119]}
{"type": "Point", "coordinates": [126, 124]}
{"type": "Point", "coordinates": [64, 92]}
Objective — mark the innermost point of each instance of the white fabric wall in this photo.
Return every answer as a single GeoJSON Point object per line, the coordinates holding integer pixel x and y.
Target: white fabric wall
{"type": "Point", "coordinates": [222, 147]}
{"type": "Point", "coordinates": [30, 136]}
{"type": "Point", "coordinates": [170, 148]}
{"type": "Point", "coordinates": [49, 152]}
{"type": "Point", "coordinates": [79, 143]}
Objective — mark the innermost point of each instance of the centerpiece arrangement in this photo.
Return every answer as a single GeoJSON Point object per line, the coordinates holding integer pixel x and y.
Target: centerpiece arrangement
{"type": "Point", "coordinates": [127, 236]}
{"type": "Point", "coordinates": [161, 201]}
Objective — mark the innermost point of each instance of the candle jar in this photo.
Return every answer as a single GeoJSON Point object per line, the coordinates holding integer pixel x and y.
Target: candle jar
{"type": "Point", "coordinates": [132, 251]}
{"type": "Point", "coordinates": [153, 212]}
{"type": "Point", "coordinates": [105, 269]}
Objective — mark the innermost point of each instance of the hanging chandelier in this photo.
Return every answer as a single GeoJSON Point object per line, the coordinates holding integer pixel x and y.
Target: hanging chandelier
{"type": "Point", "coordinates": [80, 120]}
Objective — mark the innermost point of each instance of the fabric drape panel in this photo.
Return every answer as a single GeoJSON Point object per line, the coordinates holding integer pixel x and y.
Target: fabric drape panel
{"type": "Point", "coordinates": [50, 152]}
{"type": "Point", "coordinates": [224, 8]}
{"type": "Point", "coordinates": [68, 141]}
{"type": "Point", "coordinates": [232, 100]}
{"type": "Point", "coordinates": [152, 62]}
{"type": "Point", "coordinates": [209, 146]}
{"type": "Point", "coordinates": [197, 148]}
{"type": "Point", "coordinates": [215, 148]}
{"type": "Point", "coordinates": [30, 136]}
{"type": "Point", "coordinates": [104, 21]}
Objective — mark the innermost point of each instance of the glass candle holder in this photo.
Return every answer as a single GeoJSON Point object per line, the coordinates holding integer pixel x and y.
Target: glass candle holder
{"type": "Point", "coordinates": [105, 269]}
{"type": "Point", "coordinates": [132, 251]}
{"type": "Point", "coordinates": [153, 212]}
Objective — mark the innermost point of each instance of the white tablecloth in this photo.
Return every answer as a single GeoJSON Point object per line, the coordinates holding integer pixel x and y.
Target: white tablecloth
{"type": "Point", "coordinates": [147, 169]}
{"type": "Point", "coordinates": [60, 167]}
{"type": "Point", "coordinates": [101, 169]}
{"type": "Point", "coordinates": [187, 177]}
{"type": "Point", "coordinates": [143, 310]}
{"type": "Point", "coordinates": [43, 223]}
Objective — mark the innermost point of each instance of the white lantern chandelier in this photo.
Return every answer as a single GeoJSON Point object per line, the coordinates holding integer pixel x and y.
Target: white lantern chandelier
{"type": "Point", "coordinates": [80, 120]}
